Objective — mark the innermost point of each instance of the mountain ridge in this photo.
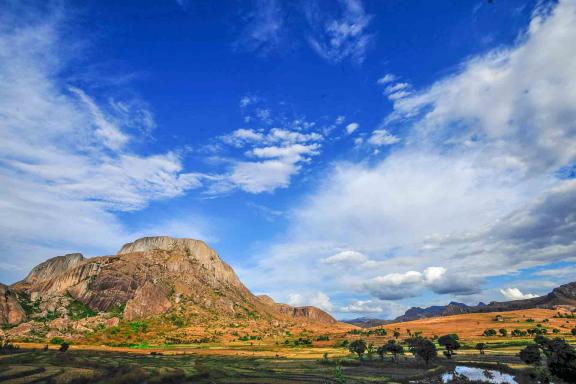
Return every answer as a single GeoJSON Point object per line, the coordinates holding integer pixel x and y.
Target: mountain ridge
{"type": "Point", "coordinates": [175, 280]}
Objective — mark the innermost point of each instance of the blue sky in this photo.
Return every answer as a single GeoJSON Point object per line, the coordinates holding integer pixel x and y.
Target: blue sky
{"type": "Point", "coordinates": [359, 156]}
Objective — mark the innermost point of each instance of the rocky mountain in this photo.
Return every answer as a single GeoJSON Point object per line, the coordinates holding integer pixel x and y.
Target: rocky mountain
{"type": "Point", "coordinates": [307, 312]}
{"type": "Point", "coordinates": [183, 281]}
{"type": "Point", "coordinates": [367, 322]}
{"type": "Point", "coordinates": [565, 295]}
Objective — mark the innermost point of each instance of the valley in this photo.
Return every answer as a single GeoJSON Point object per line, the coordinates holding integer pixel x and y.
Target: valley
{"type": "Point", "coordinates": [170, 310]}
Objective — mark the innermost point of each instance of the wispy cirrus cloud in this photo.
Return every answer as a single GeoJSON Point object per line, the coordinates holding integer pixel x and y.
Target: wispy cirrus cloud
{"type": "Point", "coordinates": [339, 37]}
{"type": "Point", "coordinates": [66, 160]}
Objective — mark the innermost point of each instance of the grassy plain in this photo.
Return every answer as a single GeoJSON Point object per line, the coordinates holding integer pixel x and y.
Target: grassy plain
{"type": "Point", "coordinates": [281, 359]}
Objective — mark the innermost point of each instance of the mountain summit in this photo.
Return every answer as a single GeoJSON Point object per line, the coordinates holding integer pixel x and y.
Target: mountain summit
{"type": "Point", "coordinates": [181, 279]}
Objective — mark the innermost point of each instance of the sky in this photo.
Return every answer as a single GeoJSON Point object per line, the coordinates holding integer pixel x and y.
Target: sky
{"type": "Point", "coordinates": [360, 156]}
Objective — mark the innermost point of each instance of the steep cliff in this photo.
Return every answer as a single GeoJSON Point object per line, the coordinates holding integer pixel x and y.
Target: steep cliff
{"type": "Point", "coordinates": [306, 312]}
{"type": "Point", "coordinates": [11, 312]}
{"type": "Point", "coordinates": [149, 277]}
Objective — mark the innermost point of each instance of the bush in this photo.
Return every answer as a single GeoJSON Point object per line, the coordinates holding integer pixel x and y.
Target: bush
{"type": "Point", "coordinates": [489, 332]}
{"type": "Point", "coordinates": [503, 332]}
{"type": "Point", "coordinates": [57, 340]}
{"type": "Point", "coordinates": [64, 347]}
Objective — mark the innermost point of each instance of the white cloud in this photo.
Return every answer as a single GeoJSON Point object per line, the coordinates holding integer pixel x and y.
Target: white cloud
{"type": "Point", "coordinates": [387, 78]}
{"type": "Point", "coordinates": [66, 164]}
{"type": "Point", "coordinates": [381, 308]}
{"type": "Point", "coordinates": [346, 257]}
{"type": "Point", "coordinates": [516, 294]}
{"type": "Point", "coordinates": [342, 37]}
{"type": "Point", "coordinates": [271, 156]}
{"type": "Point", "coordinates": [470, 189]}
{"type": "Point", "coordinates": [263, 31]}
{"type": "Point", "coordinates": [351, 128]}
{"type": "Point", "coordinates": [382, 137]}
{"type": "Point", "coordinates": [316, 299]}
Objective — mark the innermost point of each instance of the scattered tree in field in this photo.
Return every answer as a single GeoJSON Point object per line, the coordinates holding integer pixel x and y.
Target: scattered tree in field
{"type": "Point", "coordinates": [358, 347]}
{"type": "Point", "coordinates": [573, 331]}
{"type": "Point", "coordinates": [395, 349]}
{"type": "Point", "coordinates": [555, 330]}
{"type": "Point", "coordinates": [560, 357]}
{"type": "Point", "coordinates": [480, 347]}
{"type": "Point", "coordinates": [64, 347]}
{"type": "Point", "coordinates": [392, 348]}
{"type": "Point", "coordinates": [397, 334]}
{"type": "Point", "coordinates": [450, 343]}
{"type": "Point", "coordinates": [489, 332]}
{"type": "Point", "coordinates": [380, 332]}
{"type": "Point", "coordinates": [370, 351]}
{"type": "Point", "coordinates": [503, 332]}
{"type": "Point", "coordinates": [422, 348]}
{"type": "Point", "coordinates": [531, 355]}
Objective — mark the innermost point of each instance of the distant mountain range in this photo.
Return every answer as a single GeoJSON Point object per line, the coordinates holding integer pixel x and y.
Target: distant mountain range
{"type": "Point", "coordinates": [563, 295]}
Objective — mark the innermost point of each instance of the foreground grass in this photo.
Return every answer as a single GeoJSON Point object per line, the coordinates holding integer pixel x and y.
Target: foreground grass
{"type": "Point", "coordinates": [189, 365]}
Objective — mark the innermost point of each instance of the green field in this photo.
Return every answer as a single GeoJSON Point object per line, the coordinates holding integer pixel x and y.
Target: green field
{"type": "Point", "coordinates": [80, 366]}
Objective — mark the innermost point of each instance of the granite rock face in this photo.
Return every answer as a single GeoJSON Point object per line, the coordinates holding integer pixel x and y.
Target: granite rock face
{"type": "Point", "coordinates": [306, 312]}
{"type": "Point", "coordinates": [152, 276]}
{"type": "Point", "coordinates": [11, 312]}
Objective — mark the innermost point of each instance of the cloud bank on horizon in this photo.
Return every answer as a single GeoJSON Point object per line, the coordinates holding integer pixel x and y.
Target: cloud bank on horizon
{"type": "Point", "coordinates": [411, 192]}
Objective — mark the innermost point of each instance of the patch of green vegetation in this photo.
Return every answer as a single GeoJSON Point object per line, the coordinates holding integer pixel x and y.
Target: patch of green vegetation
{"type": "Point", "coordinates": [78, 310]}
{"type": "Point", "coordinates": [138, 326]}
{"type": "Point", "coordinates": [118, 310]}
{"type": "Point", "coordinates": [30, 307]}
{"type": "Point", "coordinates": [57, 340]}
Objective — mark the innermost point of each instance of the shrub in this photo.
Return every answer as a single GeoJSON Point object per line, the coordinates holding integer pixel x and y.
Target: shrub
{"type": "Point", "coordinates": [57, 340]}
{"type": "Point", "coordinates": [489, 332]}
{"type": "Point", "coordinates": [503, 332]}
{"type": "Point", "coordinates": [64, 347]}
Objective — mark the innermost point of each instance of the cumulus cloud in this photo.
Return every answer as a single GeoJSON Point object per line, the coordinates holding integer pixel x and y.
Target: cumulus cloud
{"type": "Point", "coordinates": [382, 137]}
{"type": "Point", "coordinates": [346, 257]}
{"type": "Point", "coordinates": [516, 294]}
{"type": "Point", "coordinates": [351, 128]}
{"type": "Point", "coordinates": [316, 299]}
{"type": "Point", "coordinates": [380, 308]}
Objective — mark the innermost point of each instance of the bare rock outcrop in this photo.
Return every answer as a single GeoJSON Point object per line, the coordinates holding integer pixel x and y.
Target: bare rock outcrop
{"type": "Point", "coordinates": [11, 312]}
{"type": "Point", "coordinates": [148, 300]}
{"type": "Point", "coordinates": [152, 276]}
{"type": "Point", "coordinates": [305, 313]}
{"type": "Point", "coordinates": [54, 267]}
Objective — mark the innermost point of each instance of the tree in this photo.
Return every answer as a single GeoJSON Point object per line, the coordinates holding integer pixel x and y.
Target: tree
{"type": "Point", "coordinates": [370, 351]}
{"type": "Point", "coordinates": [450, 343]}
{"type": "Point", "coordinates": [503, 332]}
{"type": "Point", "coordinates": [573, 331]}
{"type": "Point", "coordinates": [394, 349]}
{"type": "Point", "coordinates": [560, 357]}
{"type": "Point", "coordinates": [480, 347]}
{"type": "Point", "coordinates": [531, 355]}
{"type": "Point", "coordinates": [64, 347]}
{"type": "Point", "coordinates": [489, 332]}
{"type": "Point", "coordinates": [358, 347]}
{"type": "Point", "coordinates": [396, 334]}
{"type": "Point", "coordinates": [422, 348]}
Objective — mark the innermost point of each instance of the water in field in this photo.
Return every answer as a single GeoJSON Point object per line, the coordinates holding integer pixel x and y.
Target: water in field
{"type": "Point", "coordinates": [462, 373]}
